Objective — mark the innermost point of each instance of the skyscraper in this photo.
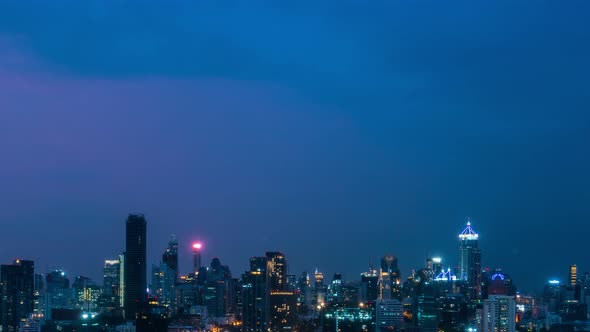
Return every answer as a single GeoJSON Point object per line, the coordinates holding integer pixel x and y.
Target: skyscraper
{"type": "Point", "coordinates": [197, 257]}
{"type": "Point", "coordinates": [573, 274]}
{"type": "Point", "coordinates": [17, 288]}
{"type": "Point", "coordinates": [277, 270]}
{"type": "Point", "coordinates": [256, 296]}
{"type": "Point", "coordinates": [389, 278]}
{"type": "Point", "coordinates": [499, 314]}
{"type": "Point", "coordinates": [470, 262]}
{"type": "Point", "coordinates": [388, 315]}
{"type": "Point", "coordinates": [170, 256]}
{"type": "Point", "coordinates": [135, 264]}
{"type": "Point", "coordinates": [109, 299]}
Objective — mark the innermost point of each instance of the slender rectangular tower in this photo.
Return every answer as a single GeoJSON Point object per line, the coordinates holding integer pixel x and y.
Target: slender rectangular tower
{"type": "Point", "coordinates": [135, 265]}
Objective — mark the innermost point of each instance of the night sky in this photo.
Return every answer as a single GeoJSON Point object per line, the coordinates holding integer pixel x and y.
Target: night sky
{"type": "Point", "coordinates": [333, 132]}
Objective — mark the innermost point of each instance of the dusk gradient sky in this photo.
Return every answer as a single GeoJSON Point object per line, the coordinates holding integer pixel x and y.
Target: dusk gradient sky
{"type": "Point", "coordinates": [333, 131]}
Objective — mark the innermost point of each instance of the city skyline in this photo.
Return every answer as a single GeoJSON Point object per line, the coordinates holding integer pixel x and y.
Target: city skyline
{"type": "Point", "coordinates": [200, 244]}
{"type": "Point", "coordinates": [334, 133]}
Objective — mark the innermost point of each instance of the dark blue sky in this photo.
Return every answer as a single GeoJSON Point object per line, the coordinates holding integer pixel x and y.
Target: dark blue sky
{"type": "Point", "coordinates": [334, 132]}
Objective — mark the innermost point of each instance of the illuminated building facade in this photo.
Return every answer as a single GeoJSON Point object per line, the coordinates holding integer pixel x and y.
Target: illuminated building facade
{"type": "Point", "coordinates": [552, 295]}
{"type": "Point", "coordinates": [500, 283]}
{"type": "Point", "coordinates": [470, 262]}
{"type": "Point", "coordinates": [283, 306]}
{"type": "Point", "coordinates": [573, 277]}
{"type": "Point", "coordinates": [135, 264]}
{"type": "Point", "coordinates": [499, 314]}
{"type": "Point", "coordinates": [277, 270]}
{"type": "Point", "coordinates": [319, 289]}
{"type": "Point", "coordinates": [388, 315]}
{"type": "Point", "coordinates": [17, 289]}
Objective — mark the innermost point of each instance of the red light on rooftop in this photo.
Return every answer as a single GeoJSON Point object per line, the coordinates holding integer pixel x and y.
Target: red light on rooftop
{"type": "Point", "coordinates": [197, 246]}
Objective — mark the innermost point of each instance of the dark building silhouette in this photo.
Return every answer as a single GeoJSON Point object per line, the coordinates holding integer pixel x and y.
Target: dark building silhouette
{"type": "Point", "coordinates": [256, 296]}
{"type": "Point", "coordinates": [135, 264]}
{"type": "Point", "coordinates": [170, 256]}
{"type": "Point", "coordinates": [499, 283]}
{"type": "Point", "coordinates": [17, 287]}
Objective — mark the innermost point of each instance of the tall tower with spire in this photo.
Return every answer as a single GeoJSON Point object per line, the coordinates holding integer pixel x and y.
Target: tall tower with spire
{"type": "Point", "coordinates": [470, 262]}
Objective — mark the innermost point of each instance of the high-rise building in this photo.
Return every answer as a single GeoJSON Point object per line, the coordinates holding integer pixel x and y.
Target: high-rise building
{"type": "Point", "coordinates": [319, 289]}
{"type": "Point", "coordinates": [499, 314]}
{"type": "Point", "coordinates": [256, 297]}
{"type": "Point", "coordinates": [500, 283]}
{"type": "Point", "coordinates": [470, 263]}
{"type": "Point", "coordinates": [389, 286]}
{"type": "Point", "coordinates": [17, 290]}
{"type": "Point", "coordinates": [57, 293]}
{"type": "Point", "coordinates": [109, 300]}
{"type": "Point", "coordinates": [369, 288]}
{"type": "Point", "coordinates": [283, 307]}
{"type": "Point", "coordinates": [135, 264]}
{"type": "Point", "coordinates": [170, 256]}
{"type": "Point", "coordinates": [388, 315]}
{"type": "Point", "coordinates": [304, 288]}
{"type": "Point", "coordinates": [277, 270]}
{"type": "Point", "coordinates": [112, 276]}
{"type": "Point", "coordinates": [573, 274]}
{"type": "Point", "coordinates": [552, 295]}
{"type": "Point", "coordinates": [197, 257]}
{"type": "Point", "coordinates": [122, 280]}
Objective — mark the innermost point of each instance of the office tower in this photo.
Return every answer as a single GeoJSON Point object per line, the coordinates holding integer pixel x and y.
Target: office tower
{"type": "Point", "coordinates": [499, 314]}
{"type": "Point", "coordinates": [573, 274]}
{"type": "Point", "coordinates": [170, 256]}
{"type": "Point", "coordinates": [17, 290]}
{"type": "Point", "coordinates": [197, 257]}
{"type": "Point", "coordinates": [369, 288]}
{"type": "Point", "coordinates": [155, 288]}
{"type": "Point", "coordinates": [109, 300]}
{"type": "Point", "coordinates": [427, 312]}
{"type": "Point", "coordinates": [499, 283]}
{"type": "Point", "coordinates": [437, 266]}
{"type": "Point", "coordinates": [122, 280]}
{"type": "Point", "coordinates": [39, 294]}
{"type": "Point", "coordinates": [135, 264]}
{"type": "Point", "coordinates": [57, 293]}
{"type": "Point", "coordinates": [112, 277]}
{"type": "Point", "coordinates": [319, 290]}
{"type": "Point", "coordinates": [277, 270]}
{"type": "Point", "coordinates": [470, 263]}
{"type": "Point", "coordinates": [283, 307]}
{"type": "Point", "coordinates": [389, 278]}
{"type": "Point", "coordinates": [304, 288]}
{"type": "Point", "coordinates": [388, 315]}
{"type": "Point", "coordinates": [335, 294]}
{"type": "Point", "coordinates": [86, 293]}
{"type": "Point", "coordinates": [256, 296]}
{"type": "Point", "coordinates": [552, 295]}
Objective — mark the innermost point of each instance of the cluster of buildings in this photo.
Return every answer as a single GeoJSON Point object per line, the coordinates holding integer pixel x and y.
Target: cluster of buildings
{"type": "Point", "coordinates": [267, 297]}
